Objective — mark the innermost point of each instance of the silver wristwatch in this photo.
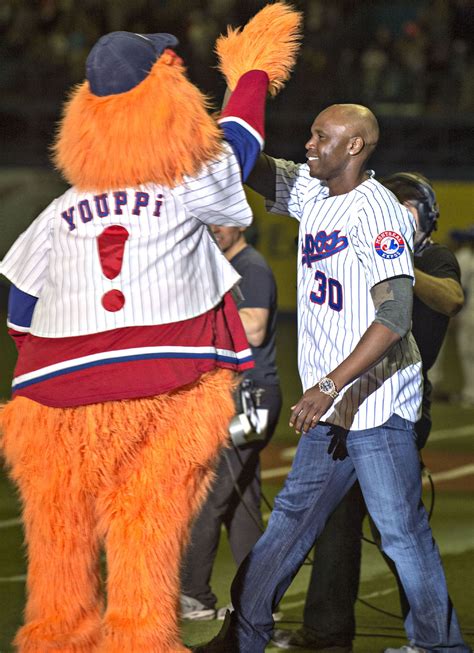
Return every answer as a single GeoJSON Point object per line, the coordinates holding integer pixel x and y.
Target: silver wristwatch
{"type": "Point", "coordinates": [328, 387]}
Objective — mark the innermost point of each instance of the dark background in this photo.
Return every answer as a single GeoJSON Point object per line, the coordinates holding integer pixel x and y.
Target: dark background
{"type": "Point", "coordinates": [411, 61]}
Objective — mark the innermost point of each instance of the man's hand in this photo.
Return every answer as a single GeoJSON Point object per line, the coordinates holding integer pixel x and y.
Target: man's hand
{"type": "Point", "coordinates": [374, 345]}
{"type": "Point", "coordinates": [309, 409]}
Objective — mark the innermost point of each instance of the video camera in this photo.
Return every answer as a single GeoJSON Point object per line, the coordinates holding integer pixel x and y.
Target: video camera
{"type": "Point", "coordinates": [250, 423]}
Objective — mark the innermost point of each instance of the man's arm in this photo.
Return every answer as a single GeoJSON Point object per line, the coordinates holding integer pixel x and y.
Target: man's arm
{"type": "Point", "coordinates": [262, 179]}
{"type": "Point", "coordinates": [392, 301]}
{"type": "Point", "coordinates": [255, 321]}
{"type": "Point", "coordinates": [444, 295]}
{"type": "Point", "coordinates": [374, 345]}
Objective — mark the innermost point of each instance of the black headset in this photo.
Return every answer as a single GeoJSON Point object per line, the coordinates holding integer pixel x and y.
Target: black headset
{"type": "Point", "coordinates": [426, 205]}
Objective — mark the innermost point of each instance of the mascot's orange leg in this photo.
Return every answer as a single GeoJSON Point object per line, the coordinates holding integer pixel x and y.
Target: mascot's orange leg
{"type": "Point", "coordinates": [147, 517]}
{"type": "Point", "coordinates": [63, 610]}
{"type": "Point", "coordinates": [132, 473]}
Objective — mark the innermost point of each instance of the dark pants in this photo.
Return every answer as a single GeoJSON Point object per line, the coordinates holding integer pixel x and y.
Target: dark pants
{"type": "Point", "coordinates": [238, 510]}
{"type": "Point", "coordinates": [334, 582]}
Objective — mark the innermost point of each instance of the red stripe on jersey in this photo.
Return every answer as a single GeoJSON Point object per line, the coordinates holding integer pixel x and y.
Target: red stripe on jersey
{"type": "Point", "coordinates": [114, 379]}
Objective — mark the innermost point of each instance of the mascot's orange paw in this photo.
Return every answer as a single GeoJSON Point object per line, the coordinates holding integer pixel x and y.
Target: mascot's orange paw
{"type": "Point", "coordinates": [146, 635]}
{"type": "Point", "coordinates": [59, 637]}
{"type": "Point", "coordinates": [269, 42]}
{"type": "Point", "coordinates": [34, 647]}
{"type": "Point", "coordinates": [141, 648]}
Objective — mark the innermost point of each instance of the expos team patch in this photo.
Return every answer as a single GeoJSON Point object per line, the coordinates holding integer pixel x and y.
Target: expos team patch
{"type": "Point", "coordinates": [389, 244]}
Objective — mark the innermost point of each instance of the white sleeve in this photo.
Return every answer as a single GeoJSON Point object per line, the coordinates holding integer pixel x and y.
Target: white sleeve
{"type": "Point", "coordinates": [291, 183]}
{"type": "Point", "coordinates": [383, 239]}
{"type": "Point", "coordinates": [216, 195]}
{"type": "Point", "coordinates": [26, 262]}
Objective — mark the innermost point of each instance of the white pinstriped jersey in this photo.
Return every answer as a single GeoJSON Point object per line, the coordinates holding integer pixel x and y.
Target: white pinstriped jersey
{"type": "Point", "coordinates": [347, 244]}
{"type": "Point", "coordinates": [172, 270]}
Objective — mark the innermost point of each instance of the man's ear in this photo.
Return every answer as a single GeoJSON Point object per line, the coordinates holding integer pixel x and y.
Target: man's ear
{"type": "Point", "coordinates": [356, 145]}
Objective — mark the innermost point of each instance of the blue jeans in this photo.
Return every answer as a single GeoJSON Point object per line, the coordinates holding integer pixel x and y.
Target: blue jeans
{"type": "Point", "coordinates": [329, 613]}
{"type": "Point", "coordinates": [327, 462]}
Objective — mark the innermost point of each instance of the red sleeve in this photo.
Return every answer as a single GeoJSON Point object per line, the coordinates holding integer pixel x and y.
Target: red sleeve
{"type": "Point", "coordinates": [247, 102]}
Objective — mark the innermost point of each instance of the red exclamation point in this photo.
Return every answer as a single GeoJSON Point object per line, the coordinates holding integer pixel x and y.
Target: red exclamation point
{"type": "Point", "coordinates": [111, 244]}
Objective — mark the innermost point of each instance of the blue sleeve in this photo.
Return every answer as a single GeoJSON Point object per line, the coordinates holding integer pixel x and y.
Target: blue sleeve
{"type": "Point", "coordinates": [245, 145]}
{"type": "Point", "coordinates": [20, 309]}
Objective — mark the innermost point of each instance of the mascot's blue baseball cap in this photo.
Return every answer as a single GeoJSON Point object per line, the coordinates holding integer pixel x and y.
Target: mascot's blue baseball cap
{"type": "Point", "coordinates": [119, 61]}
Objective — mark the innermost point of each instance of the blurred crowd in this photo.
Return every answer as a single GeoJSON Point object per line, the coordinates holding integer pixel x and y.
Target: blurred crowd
{"type": "Point", "coordinates": [406, 57]}
{"type": "Point", "coordinates": [460, 330]}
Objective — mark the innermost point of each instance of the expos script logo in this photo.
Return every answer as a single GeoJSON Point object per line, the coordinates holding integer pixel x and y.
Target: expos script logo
{"type": "Point", "coordinates": [321, 246]}
{"type": "Point", "coordinates": [389, 245]}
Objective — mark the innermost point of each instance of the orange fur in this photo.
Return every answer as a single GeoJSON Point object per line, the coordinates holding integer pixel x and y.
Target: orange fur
{"type": "Point", "coordinates": [269, 42]}
{"type": "Point", "coordinates": [157, 132]}
{"type": "Point", "coordinates": [130, 475]}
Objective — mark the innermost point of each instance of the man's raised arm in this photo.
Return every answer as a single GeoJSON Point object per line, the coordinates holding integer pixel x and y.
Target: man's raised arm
{"type": "Point", "coordinates": [262, 177]}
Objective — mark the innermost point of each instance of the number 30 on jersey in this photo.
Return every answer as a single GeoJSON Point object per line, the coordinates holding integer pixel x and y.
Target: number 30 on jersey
{"type": "Point", "coordinates": [329, 290]}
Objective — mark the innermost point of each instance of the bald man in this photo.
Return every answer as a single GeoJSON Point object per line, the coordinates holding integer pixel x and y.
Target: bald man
{"type": "Point", "coordinates": [361, 375]}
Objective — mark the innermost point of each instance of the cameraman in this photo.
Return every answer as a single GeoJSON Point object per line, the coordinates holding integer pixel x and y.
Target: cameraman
{"type": "Point", "coordinates": [234, 499]}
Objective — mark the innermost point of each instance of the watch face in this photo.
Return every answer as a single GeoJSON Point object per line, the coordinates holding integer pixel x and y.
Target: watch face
{"type": "Point", "coordinates": [326, 385]}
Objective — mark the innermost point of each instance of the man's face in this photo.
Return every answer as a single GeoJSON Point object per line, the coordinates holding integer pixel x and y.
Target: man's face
{"type": "Point", "coordinates": [226, 237]}
{"type": "Point", "coordinates": [327, 149]}
{"type": "Point", "coordinates": [419, 234]}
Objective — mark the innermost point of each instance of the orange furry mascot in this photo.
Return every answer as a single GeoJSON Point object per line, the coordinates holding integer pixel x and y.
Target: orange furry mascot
{"type": "Point", "coordinates": [128, 337]}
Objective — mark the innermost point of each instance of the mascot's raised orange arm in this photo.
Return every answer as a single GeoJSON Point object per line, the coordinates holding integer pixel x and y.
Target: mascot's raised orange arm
{"type": "Point", "coordinates": [128, 338]}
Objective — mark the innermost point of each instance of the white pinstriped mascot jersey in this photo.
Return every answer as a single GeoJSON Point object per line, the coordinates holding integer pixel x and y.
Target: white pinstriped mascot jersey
{"type": "Point", "coordinates": [347, 244]}
{"type": "Point", "coordinates": [124, 294]}
{"type": "Point", "coordinates": [161, 284]}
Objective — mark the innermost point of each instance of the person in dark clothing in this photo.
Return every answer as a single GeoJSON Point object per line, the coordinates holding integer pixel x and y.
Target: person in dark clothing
{"type": "Point", "coordinates": [235, 497]}
{"type": "Point", "coordinates": [329, 621]}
